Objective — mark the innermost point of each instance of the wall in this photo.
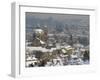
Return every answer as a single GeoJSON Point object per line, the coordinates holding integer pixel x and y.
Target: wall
{"type": "Point", "coordinates": [5, 38]}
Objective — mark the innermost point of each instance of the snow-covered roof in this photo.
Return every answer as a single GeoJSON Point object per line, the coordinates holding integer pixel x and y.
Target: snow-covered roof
{"type": "Point", "coordinates": [52, 49]}
{"type": "Point", "coordinates": [37, 49]}
{"type": "Point", "coordinates": [31, 58]}
{"type": "Point", "coordinates": [67, 46]}
{"type": "Point", "coordinates": [58, 46]}
{"type": "Point", "coordinates": [74, 56]}
{"type": "Point", "coordinates": [82, 49]}
{"type": "Point", "coordinates": [63, 55]}
{"type": "Point", "coordinates": [38, 31]}
{"type": "Point", "coordinates": [28, 43]}
{"type": "Point", "coordinates": [63, 50]}
{"type": "Point", "coordinates": [42, 42]}
{"type": "Point", "coordinates": [45, 50]}
{"type": "Point", "coordinates": [50, 44]}
{"type": "Point", "coordinates": [40, 49]}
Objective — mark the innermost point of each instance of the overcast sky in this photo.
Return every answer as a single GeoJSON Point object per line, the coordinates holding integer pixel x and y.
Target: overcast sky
{"type": "Point", "coordinates": [81, 19]}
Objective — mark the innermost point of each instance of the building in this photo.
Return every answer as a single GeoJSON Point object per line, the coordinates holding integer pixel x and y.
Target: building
{"type": "Point", "coordinates": [40, 38]}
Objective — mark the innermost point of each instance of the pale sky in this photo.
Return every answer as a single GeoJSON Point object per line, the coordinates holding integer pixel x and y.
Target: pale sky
{"type": "Point", "coordinates": [67, 18]}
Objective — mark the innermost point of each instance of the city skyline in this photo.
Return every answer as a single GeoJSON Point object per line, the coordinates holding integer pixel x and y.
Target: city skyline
{"type": "Point", "coordinates": [56, 39]}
